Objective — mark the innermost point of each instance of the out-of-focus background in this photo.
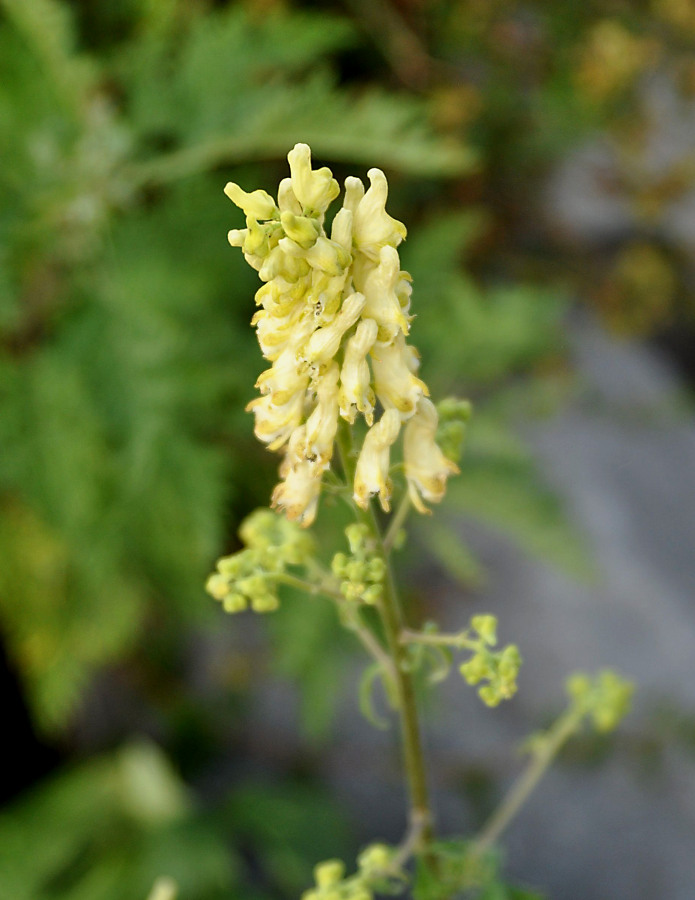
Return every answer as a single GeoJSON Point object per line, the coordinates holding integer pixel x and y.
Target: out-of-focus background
{"type": "Point", "coordinates": [542, 155]}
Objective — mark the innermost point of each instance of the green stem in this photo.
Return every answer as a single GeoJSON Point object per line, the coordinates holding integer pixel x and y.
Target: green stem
{"type": "Point", "coordinates": [309, 587]}
{"type": "Point", "coordinates": [543, 756]}
{"type": "Point", "coordinates": [461, 641]}
{"type": "Point", "coordinates": [392, 621]}
{"type": "Point", "coordinates": [364, 635]}
{"type": "Point", "coordinates": [396, 524]}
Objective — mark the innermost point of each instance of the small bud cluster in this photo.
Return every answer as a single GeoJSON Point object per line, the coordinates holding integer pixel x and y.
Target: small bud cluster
{"type": "Point", "coordinates": [362, 571]}
{"type": "Point", "coordinates": [333, 321]}
{"type": "Point", "coordinates": [605, 698]}
{"type": "Point", "coordinates": [498, 668]}
{"type": "Point", "coordinates": [375, 874]}
{"type": "Point", "coordinates": [249, 577]}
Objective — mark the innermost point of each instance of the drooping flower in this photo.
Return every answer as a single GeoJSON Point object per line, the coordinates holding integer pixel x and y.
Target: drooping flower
{"type": "Point", "coordinates": [333, 319]}
{"type": "Point", "coordinates": [372, 472]}
{"type": "Point", "coordinates": [426, 467]}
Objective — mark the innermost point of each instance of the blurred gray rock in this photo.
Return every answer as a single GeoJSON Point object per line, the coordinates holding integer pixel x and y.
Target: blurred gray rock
{"type": "Point", "coordinates": [623, 457]}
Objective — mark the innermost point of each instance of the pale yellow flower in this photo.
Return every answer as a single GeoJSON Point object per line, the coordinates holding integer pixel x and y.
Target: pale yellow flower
{"type": "Point", "coordinates": [380, 288]}
{"type": "Point", "coordinates": [275, 424]}
{"type": "Point", "coordinates": [426, 467]}
{"type": "Point", "coordinates": [396, 384]}
{"type": "Point", "coordinates": [372, 471]}
{"type": "Point", "coordinates": [374, 228]}
{"type": "Point", "coordinates": [333, 319]}
{"type": "Point", "coordinates": [322, 424]}
{"type": "Point", "coordinates": [315, 189]}
{"type": "Point", "coordinates": [356, 392]}
{"type": "Point", "coordinates": [298, 492]}
{"type": "Point", "coordinates": [324, 343]}
{"type": "Point", "coordinates": [258, 204]}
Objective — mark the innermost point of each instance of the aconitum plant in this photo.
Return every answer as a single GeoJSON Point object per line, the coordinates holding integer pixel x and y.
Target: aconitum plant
{"type": "Point", "coordinates": [343, 403]}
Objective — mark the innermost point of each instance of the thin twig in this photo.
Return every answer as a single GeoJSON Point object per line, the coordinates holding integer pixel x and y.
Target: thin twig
{"type": "Point", "coordinates": [527, 781]}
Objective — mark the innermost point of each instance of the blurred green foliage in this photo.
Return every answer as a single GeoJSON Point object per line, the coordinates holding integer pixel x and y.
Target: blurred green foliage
{"type": "Point", "coordinates": [126, 357]}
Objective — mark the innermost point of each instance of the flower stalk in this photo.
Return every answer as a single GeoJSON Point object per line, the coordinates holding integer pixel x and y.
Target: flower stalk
{"type": "Point", "coordinates": [391, 617]}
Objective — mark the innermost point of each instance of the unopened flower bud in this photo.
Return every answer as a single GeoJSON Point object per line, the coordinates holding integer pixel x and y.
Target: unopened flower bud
{"type": "Point", "coordinates": [329, 873]}
{"type": "Point", "coordinates": [302, 230]}
{"type": "Point", "coordinates": [217, 586]}
{"type": "Point", "coordinates": [235, 602]}
{"type": "Point", "coordinates": [486, 626]}
{"type": "Point", "coordinates": [373, 594]}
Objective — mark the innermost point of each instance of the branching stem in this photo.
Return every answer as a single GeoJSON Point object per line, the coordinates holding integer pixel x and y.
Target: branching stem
{"type": "Point", "coordinates": [390, 613]}
{"type": "Point", "coordinates": [461, 641]}
{"type": "Point", "coordinates": [541, 759]}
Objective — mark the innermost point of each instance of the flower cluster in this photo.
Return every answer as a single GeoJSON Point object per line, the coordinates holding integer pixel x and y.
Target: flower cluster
{"type": "Point", "coordinates": [498, 668]}
{"type": "Point", "coordinates": [362, 572]}
{"type": "Point", "coordinates": [605, 698]}
{"type": "Point", "coordinates": [250, 577]}
{"type": "Point", "coordinates": [334, 321]}
{"type": "Point", "coordinates": [377, 872]}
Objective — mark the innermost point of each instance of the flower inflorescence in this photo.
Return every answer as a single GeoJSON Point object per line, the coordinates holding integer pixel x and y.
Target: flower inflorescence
{"type": "Point", "coordinates": [250, 576]}
{"type": "Point", "coordinates": [362, 571]}
{"type": "Point", "coordinates": [333, 321]}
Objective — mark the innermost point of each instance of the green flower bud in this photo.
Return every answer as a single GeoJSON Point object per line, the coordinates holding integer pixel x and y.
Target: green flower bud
{"type": "Point", "coordinates": [510, 663]}
{"type": "Point", "coordinates": [475, 669]}
{"type": "Point", "coordinates": [356, 535]}
{"type": "Point", "coordinates": [489, 695]}
{"type": "Point", "coordinates": [578, 686]}
{"type": "Point", "coordinates": [351, 591]}
{"type": "Point", "coordinates": [613, 697]}
{"type": "Point", "coordinates": [256, 241]}
{"type": "Point", "coordinates": [300, 229]}
{"type": "Point", "coordinates": [376, 569]}
{"type": "Point", "coordinates": [264, 603]}
{"type": "Point", "coordinates": [375, 858]}
{"type": "Point", "coordinates": [486, 626]}
{"type": "Point", "coordinates": [253, 586]}
{"type": "Point", "coordinates": [454, 409]}
{"type": "Point", "coordinates": [339, 564]}
{"type": "Point", "coordinates": [329, 873]}
{"type": "Point", "coordinates": [217, 586]}
{"type": "Point", "coordinates": [234, 603]}
{"type": "Point", "coordinates": [312, 894]}
{"type": "Point", "coordinates": [373, 594]}
{"type": "Point", "coordinates": [453, 416]}
{"type": "Point", "coordinates": [231, 566]}
{"type": "Point", "coordinates": [356, 570]}
{"type": "Point", "coordinates": [359, 892]}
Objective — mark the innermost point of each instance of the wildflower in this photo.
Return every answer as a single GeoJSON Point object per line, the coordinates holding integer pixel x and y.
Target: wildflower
{"type": "Point", "coordinates": [426, 467]}
{"type": "Point", "coordinates": [371, 474]}
{"type": "Point", "coordinates": [356, 393]}
{"type": "Point", "coordinates": [333, 319]}
{"type": "Point", "coordinates": [396, 385]}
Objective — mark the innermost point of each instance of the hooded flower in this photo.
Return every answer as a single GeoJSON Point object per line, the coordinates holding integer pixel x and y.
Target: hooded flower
{"type": "Point", "coordinates": [333, 319]}
{"type": "Point", "coordinates": [356, 392]}
{"type": "Point", "coordinates": [372, 472]}
{"type": "Point", "coordinates": [426, 467]}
